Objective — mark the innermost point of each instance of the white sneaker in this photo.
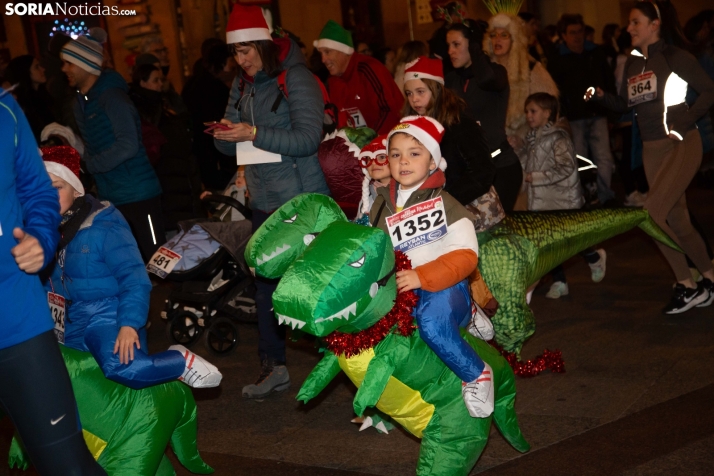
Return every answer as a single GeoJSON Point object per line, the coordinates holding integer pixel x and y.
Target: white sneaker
{"type": "Point", "coordinates": [597, 269]}
{"type": "Point", "coordinates": [557, 290]}
{"type": "Point", "coordinates": [478, 395]}
{"type": "Point", "coordinates": [199, 373]}
{"type": "Point", "coordinates": [480, 325]}
{"type": "Point", "coordinates": [635, 199]}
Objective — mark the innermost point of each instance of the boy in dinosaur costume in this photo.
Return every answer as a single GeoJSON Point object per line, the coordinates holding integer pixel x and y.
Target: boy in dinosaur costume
{"type": "Point", "coordinates": [127, 430]}
{"type": "Point", "coordinates": [343, 288]}
{"type": "Point", "coordinates": [437, 233]}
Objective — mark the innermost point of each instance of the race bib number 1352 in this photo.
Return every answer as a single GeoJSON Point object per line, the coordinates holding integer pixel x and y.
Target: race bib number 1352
{"type": "Point", "coordinates": [418, 225]}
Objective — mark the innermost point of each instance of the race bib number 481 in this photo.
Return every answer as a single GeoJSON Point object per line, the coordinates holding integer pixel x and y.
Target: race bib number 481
{"type": "Point", "coordinates": [641, 88]}
{"type": "Point", "coordinates": [418, 225]}
{"type": "Point", "coordinates": [163, 262]}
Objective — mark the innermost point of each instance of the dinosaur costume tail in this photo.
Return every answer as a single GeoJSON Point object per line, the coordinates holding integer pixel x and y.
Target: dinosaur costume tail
{"type": "Point", "coordinates": [526, 246]}
{"type": "Point", "coordinates": [183, 440]}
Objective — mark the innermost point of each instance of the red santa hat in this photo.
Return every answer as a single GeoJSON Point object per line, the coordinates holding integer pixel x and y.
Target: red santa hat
{"type": "Point", "coordinates": [425, 68]}
{"type": "Point", "coordinates": [426, 130]}
{"type": "Point", "coordinates": [63, 161]}
{"type": "Point", "coordinates": [246, 23]}
{"type": "Point", "coordinates": [377, 147]}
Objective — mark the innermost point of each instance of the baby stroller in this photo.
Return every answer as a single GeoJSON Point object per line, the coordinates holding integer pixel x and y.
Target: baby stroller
{"type": "Point", "coordinates": [214, 287]}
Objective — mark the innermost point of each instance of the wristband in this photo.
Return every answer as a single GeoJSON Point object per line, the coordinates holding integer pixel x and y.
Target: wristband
{"type": "Point", "coordinates": [255, 131]}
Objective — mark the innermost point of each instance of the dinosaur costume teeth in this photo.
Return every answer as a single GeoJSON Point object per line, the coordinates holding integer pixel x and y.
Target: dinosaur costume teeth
{"type": "Point", "coordinates": [279, 250]}
{"type": "Point", "coordinates": [343, 314]}
{"type": "Point", "coordinates": [294, 323]}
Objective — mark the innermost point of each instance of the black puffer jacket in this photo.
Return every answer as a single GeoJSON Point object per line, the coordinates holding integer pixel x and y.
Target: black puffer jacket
{"type": "Point", "coordinates": [177, 168]}
{"type": "Point", "coordinates": [484, 87]}
{"type": "Point", "coordinates": [469, 171]}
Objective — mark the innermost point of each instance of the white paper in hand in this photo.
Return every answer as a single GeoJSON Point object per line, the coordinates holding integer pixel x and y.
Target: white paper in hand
{"type": "Point", "coordinates": [248, 154]}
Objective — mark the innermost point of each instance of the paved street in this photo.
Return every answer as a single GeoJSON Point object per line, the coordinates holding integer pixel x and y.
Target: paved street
{"type": "Point", "coordinates": [636, 398]}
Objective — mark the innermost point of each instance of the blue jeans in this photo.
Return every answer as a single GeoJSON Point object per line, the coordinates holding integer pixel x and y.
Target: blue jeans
{"type": "Point", "coordinates": [592, 135]}
{"type": "Point", "coordinates": [439, 317]}
{"type": "Point", "coordinates": [271, 336]}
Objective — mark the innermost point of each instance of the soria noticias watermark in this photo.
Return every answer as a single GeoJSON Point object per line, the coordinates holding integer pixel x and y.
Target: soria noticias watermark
{"type": "Point", "coordinates": [61, 8]}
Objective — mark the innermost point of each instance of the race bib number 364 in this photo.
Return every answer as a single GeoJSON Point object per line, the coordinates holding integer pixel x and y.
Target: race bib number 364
{"type": "Point", "coordinates": [418, 225]}
{"type": "Point", "coordinates": [641, 88]}
{"type": "Point", "coordinates": [163, 262]}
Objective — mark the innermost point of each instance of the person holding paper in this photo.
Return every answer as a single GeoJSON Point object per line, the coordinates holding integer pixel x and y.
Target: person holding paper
{"type": "Point", "coordinates": [276, 135]}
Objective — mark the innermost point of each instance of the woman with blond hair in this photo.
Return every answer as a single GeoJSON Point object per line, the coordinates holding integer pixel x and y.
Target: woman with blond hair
{"type": "Point", "coordinates": [506, 43]}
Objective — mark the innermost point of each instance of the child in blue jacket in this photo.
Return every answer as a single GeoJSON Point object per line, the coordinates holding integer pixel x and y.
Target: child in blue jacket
{"type": "Point", "coordinates": [100, 274]}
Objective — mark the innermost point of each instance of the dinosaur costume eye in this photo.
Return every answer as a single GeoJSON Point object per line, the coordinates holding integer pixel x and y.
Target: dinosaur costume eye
{"type": "Point", "coordinates": [358, 263]}
{"type": "Point", "coordinates": [291, 219]}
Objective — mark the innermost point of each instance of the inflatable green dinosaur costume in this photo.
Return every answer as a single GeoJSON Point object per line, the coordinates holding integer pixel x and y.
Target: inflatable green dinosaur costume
{"type": "Point", "coordinates": [344, 281]}
{"type": "Point", "coordinates": [128, 430]}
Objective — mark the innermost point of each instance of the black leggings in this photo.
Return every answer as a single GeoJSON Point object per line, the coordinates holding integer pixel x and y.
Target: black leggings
{"type": "Point", "coordinates": [507, 183]}
{"type": "Point", "coordinates": [37, 395]}
{"type": "Point", "coordinates": [146, 221]}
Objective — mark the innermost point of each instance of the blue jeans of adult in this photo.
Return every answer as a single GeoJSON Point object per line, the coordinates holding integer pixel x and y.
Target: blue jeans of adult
{"type": "Point", "coordinates": [439, 316]}
{"type": "Point", "coordinates": [592, 135]}
{"type": "Point", "coordinates": [271, 336]}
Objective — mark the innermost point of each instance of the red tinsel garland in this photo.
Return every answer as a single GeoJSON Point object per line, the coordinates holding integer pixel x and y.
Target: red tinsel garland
{"type": "Point", "coordinates": [401, 314]}
{"type": "Point", "coordinates": [548, 360]}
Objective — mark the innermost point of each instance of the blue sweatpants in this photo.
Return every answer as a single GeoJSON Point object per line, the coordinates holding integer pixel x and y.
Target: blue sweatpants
{"type": "Point", "coordinates": [144, 371]}
{"type": "Point", "coordinates": [439, 316]}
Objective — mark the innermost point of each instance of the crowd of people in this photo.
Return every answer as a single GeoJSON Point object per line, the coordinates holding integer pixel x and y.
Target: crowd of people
{"type": "Point", "coordinates": [489, 117]}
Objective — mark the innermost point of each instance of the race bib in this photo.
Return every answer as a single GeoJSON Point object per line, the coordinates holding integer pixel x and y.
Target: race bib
{"type": "Point", "coordinates": [57, 310]}
{"type": "Point", "coordinates": [418, 225]}
{"type": "Point", "coordinates": [641, 88]}
{"type": "Point", "coordinates": [163, 262]}
{"type": "Point", "coordinates": [355, 117]}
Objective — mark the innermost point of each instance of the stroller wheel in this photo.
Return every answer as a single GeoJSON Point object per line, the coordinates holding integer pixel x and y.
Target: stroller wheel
{"type": "Point", "coordinates": [184, 329]}
{"type": "Point", "coordinates": [221, 337]}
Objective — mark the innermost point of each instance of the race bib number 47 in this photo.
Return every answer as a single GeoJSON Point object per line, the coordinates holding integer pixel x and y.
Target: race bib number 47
{"type": "Point", "coordinates": [163, 262]}
{"type": "Point", "coordinates": [418, 225]}
{"type": "Point", "coordinates": [57, 310]}
{"type": "Point", "coordinates": [641, 88]}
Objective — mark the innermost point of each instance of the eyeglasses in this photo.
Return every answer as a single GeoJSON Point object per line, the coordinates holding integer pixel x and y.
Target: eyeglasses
{"type": "Point", "coordinates": [365, 162]}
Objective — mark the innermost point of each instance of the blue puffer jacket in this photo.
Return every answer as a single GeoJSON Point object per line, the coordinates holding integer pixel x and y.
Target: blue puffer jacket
{"type": "Point", "coordinates": [100, 273]}
{"type": "Point", "coordinates": [294, 130]}
{"type": "Point", "coordinates": [114, 154]}
{"type": "Point", "coordinates": [27, 201]}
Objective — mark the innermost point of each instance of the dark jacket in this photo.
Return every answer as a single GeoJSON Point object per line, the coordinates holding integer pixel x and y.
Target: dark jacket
{"type": "Point", "coordinates": [101, 275]}
{"type": "Point", "coordinates": [484, 87]}
{"type": "Point", "coordinates": [469, 171]}
{"type": "Point", "coordinates": [574, 73]}
{"type": "Point", "coordinates": [176, 168]}
{"type": "Point", "coordinates": [29, 202]}
{"type": "Point", "coordinates": [206, 97]}
{"type": "Point", "coordinates": [293, 130]}
{"type": "Point", "coordinates": [666, 61]}
{"type": "Point", "coordinates": [114, 154]}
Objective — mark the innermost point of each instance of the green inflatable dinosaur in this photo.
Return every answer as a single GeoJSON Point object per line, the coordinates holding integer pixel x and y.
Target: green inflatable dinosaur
{"type": "Point", "coordinates": [128, 430]}
{"type": "Point", "coordinates": [344, 281]}
{"type": "Point", "coordinates": [525, 246]}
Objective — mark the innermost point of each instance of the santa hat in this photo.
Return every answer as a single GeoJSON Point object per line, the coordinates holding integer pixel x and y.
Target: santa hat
{"type": "Point", "coordinates": [56, 129]}
{"type": "Point", "coordinates": [246, 23]}
{"type": "Point", "coordinates": [335, 37]}
{"type": "Point", "coordinates": [86, 51]}
{"type": "Point", "coordinates": [63, 161]}
{"type": "Point", "coordinates": [425, 68]}
{"type": "Point", "coordinates": [426, 130]}
{"type": "Point", "coordinates": [377, 147]}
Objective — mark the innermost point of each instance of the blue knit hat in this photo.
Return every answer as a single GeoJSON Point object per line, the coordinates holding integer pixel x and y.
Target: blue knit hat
{"type": "Point", "coordinates": [86, 51]}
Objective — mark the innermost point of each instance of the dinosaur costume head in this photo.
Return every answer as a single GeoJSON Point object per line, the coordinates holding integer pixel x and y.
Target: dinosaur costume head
{"type": "Point", "coordinates": [287, 232]}
{"type": "Point", "coordinates": [344, 280]}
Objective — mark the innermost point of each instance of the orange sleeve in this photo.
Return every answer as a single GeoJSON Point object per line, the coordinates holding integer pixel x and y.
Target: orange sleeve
{"type": "Point", "coordinates": [447, 270]}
